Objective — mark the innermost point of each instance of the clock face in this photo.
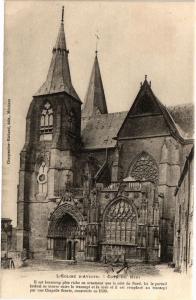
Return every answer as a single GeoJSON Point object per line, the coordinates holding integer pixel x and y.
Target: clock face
{"type": "Point", "coordinates": [42, 177]}
{"type": "Point", "coordinates": [42, 174]}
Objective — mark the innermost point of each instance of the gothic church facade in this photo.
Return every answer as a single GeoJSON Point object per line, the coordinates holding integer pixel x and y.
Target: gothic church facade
{"type": "Point", "coordinates": [94, 185]}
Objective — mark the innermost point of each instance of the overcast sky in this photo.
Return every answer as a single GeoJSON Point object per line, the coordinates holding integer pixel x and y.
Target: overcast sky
{"type": "Point", "coordinates": [153, 38]}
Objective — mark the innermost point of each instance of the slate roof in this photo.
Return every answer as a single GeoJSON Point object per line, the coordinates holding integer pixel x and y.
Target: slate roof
{"type": "Point", "coordinates": [184, 118]}
{"type": "Point", "coordinates": [98, 131]}
{"type": "Point", "coordinates": [95, 102]}
{"type": "Point", "coordinates": [59, 78]}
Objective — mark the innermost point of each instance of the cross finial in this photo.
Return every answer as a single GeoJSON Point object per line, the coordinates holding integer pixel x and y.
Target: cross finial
{"type": "Point", "coordinates": [97, 39]}
{"type": "Point", "coordinates": [62, 18]}
{"type": "Point", "coordinates": [146, 77]}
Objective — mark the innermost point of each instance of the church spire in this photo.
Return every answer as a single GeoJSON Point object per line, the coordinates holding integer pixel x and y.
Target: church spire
{"type": "Point", "coordinates": [95, 102]}
{"type": "Point", "coordinates": [62, 19]}
{"type": "Point", "coordinates": [59, 78]}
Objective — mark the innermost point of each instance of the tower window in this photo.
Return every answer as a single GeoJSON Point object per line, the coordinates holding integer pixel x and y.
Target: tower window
{"type": "Point", "coordinates": [46, 123]}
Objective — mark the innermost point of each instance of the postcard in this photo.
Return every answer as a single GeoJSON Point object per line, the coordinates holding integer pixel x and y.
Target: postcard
{"type": "Point", "coordinates": [98, 150]}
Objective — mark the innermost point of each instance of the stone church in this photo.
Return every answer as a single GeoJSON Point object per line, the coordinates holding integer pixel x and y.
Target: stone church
{"type": "Point", "coordinates": [94, 185]}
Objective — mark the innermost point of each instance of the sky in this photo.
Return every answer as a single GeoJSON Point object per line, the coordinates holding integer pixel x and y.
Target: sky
{"type": "Point", "coordinates": [136, 39]}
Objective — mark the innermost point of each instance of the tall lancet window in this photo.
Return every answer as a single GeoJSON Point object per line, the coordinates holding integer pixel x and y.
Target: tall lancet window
{"type": "Point", "coordinates": [46, 123]}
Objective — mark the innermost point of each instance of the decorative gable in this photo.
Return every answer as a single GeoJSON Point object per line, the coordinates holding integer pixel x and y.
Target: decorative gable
{"type": "Point", "coordinates": [147, 117]}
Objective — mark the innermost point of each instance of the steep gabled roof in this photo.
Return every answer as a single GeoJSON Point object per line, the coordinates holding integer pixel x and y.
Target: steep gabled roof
{"type": "Point", "coordinates": [100, 131]}
{"type": "Point", "coordinates": [59, 78]}
{"type": "Point", "coordinates": [147, 103]}
{"type": "Point", "coordinates": [95, 102]}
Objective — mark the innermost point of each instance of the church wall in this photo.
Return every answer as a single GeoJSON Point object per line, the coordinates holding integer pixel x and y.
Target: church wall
{"type": "Point", "coordinates": [183, 227]}
{"type": "Point", "coordinates": [100, 157]}
{"type": "Point", "coordinates": [143, 198]}
{"type": "Point", "coordinates": [57, 154]}
{"type": "Point", "coordinates": [166, 151]}
{"type": "Point", "coordinates": [33, 211]}
{"type": "Point", "coordinates": [38, 228]}
{"type": "Point", "coordinates": [131, 148]}
{"type": "Point", "coordinates": [99, 154]}
{"type": "Point", "coordinates": [40, 209]}
{"type": "Point", "coordinates": [184, 154]}
{"type": "Point", "coordinates": [168, 168]}
{"type": "Point", "coordinates": [61, 170]}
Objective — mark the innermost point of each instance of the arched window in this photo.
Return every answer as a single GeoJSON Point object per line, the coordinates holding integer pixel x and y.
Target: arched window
{"type": "Point", "coordinates": [46, 123]}
{"type": "Point", "coordinates": [143, 168]}
{"type": "Point", "coordinates": [120, 223]}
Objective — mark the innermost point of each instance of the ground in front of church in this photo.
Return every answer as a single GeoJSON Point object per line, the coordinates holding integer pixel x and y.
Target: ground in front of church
{"type": "Point", "coordinates": [135, 269]}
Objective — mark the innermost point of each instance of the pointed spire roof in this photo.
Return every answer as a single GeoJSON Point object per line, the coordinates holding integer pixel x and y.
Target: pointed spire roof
{"type": "Point", "coordinates": [95, 102]}
{"type": "Point", "coordinates": [59, 78]}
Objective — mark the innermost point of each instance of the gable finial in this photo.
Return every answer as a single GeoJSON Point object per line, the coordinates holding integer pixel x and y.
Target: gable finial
{"type": "Point", "coordinates": [62, 18]}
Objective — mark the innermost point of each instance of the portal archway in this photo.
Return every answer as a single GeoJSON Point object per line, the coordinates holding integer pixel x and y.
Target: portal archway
{"type": "Point", "coordinates": [64, 231]}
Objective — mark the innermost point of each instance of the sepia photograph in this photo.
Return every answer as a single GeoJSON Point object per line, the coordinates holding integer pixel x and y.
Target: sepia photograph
{"type": "Point", "coordinates": [98, 150]}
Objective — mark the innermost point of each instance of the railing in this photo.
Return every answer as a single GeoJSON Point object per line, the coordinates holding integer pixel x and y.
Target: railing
{"type": "Point", "coordinates": [114, 186]}
{"type": "Point", "coordinates": [127, 186]}
{"type": "Point", "coordinates": [76, 192]}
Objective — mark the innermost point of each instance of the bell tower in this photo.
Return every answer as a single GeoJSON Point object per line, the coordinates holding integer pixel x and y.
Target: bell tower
{"type": "Point", "coordinates": [48, 158]}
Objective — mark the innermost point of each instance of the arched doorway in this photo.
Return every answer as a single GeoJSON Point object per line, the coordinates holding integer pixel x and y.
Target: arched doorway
{"type": "Point", "coordinates": [66, 231]}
